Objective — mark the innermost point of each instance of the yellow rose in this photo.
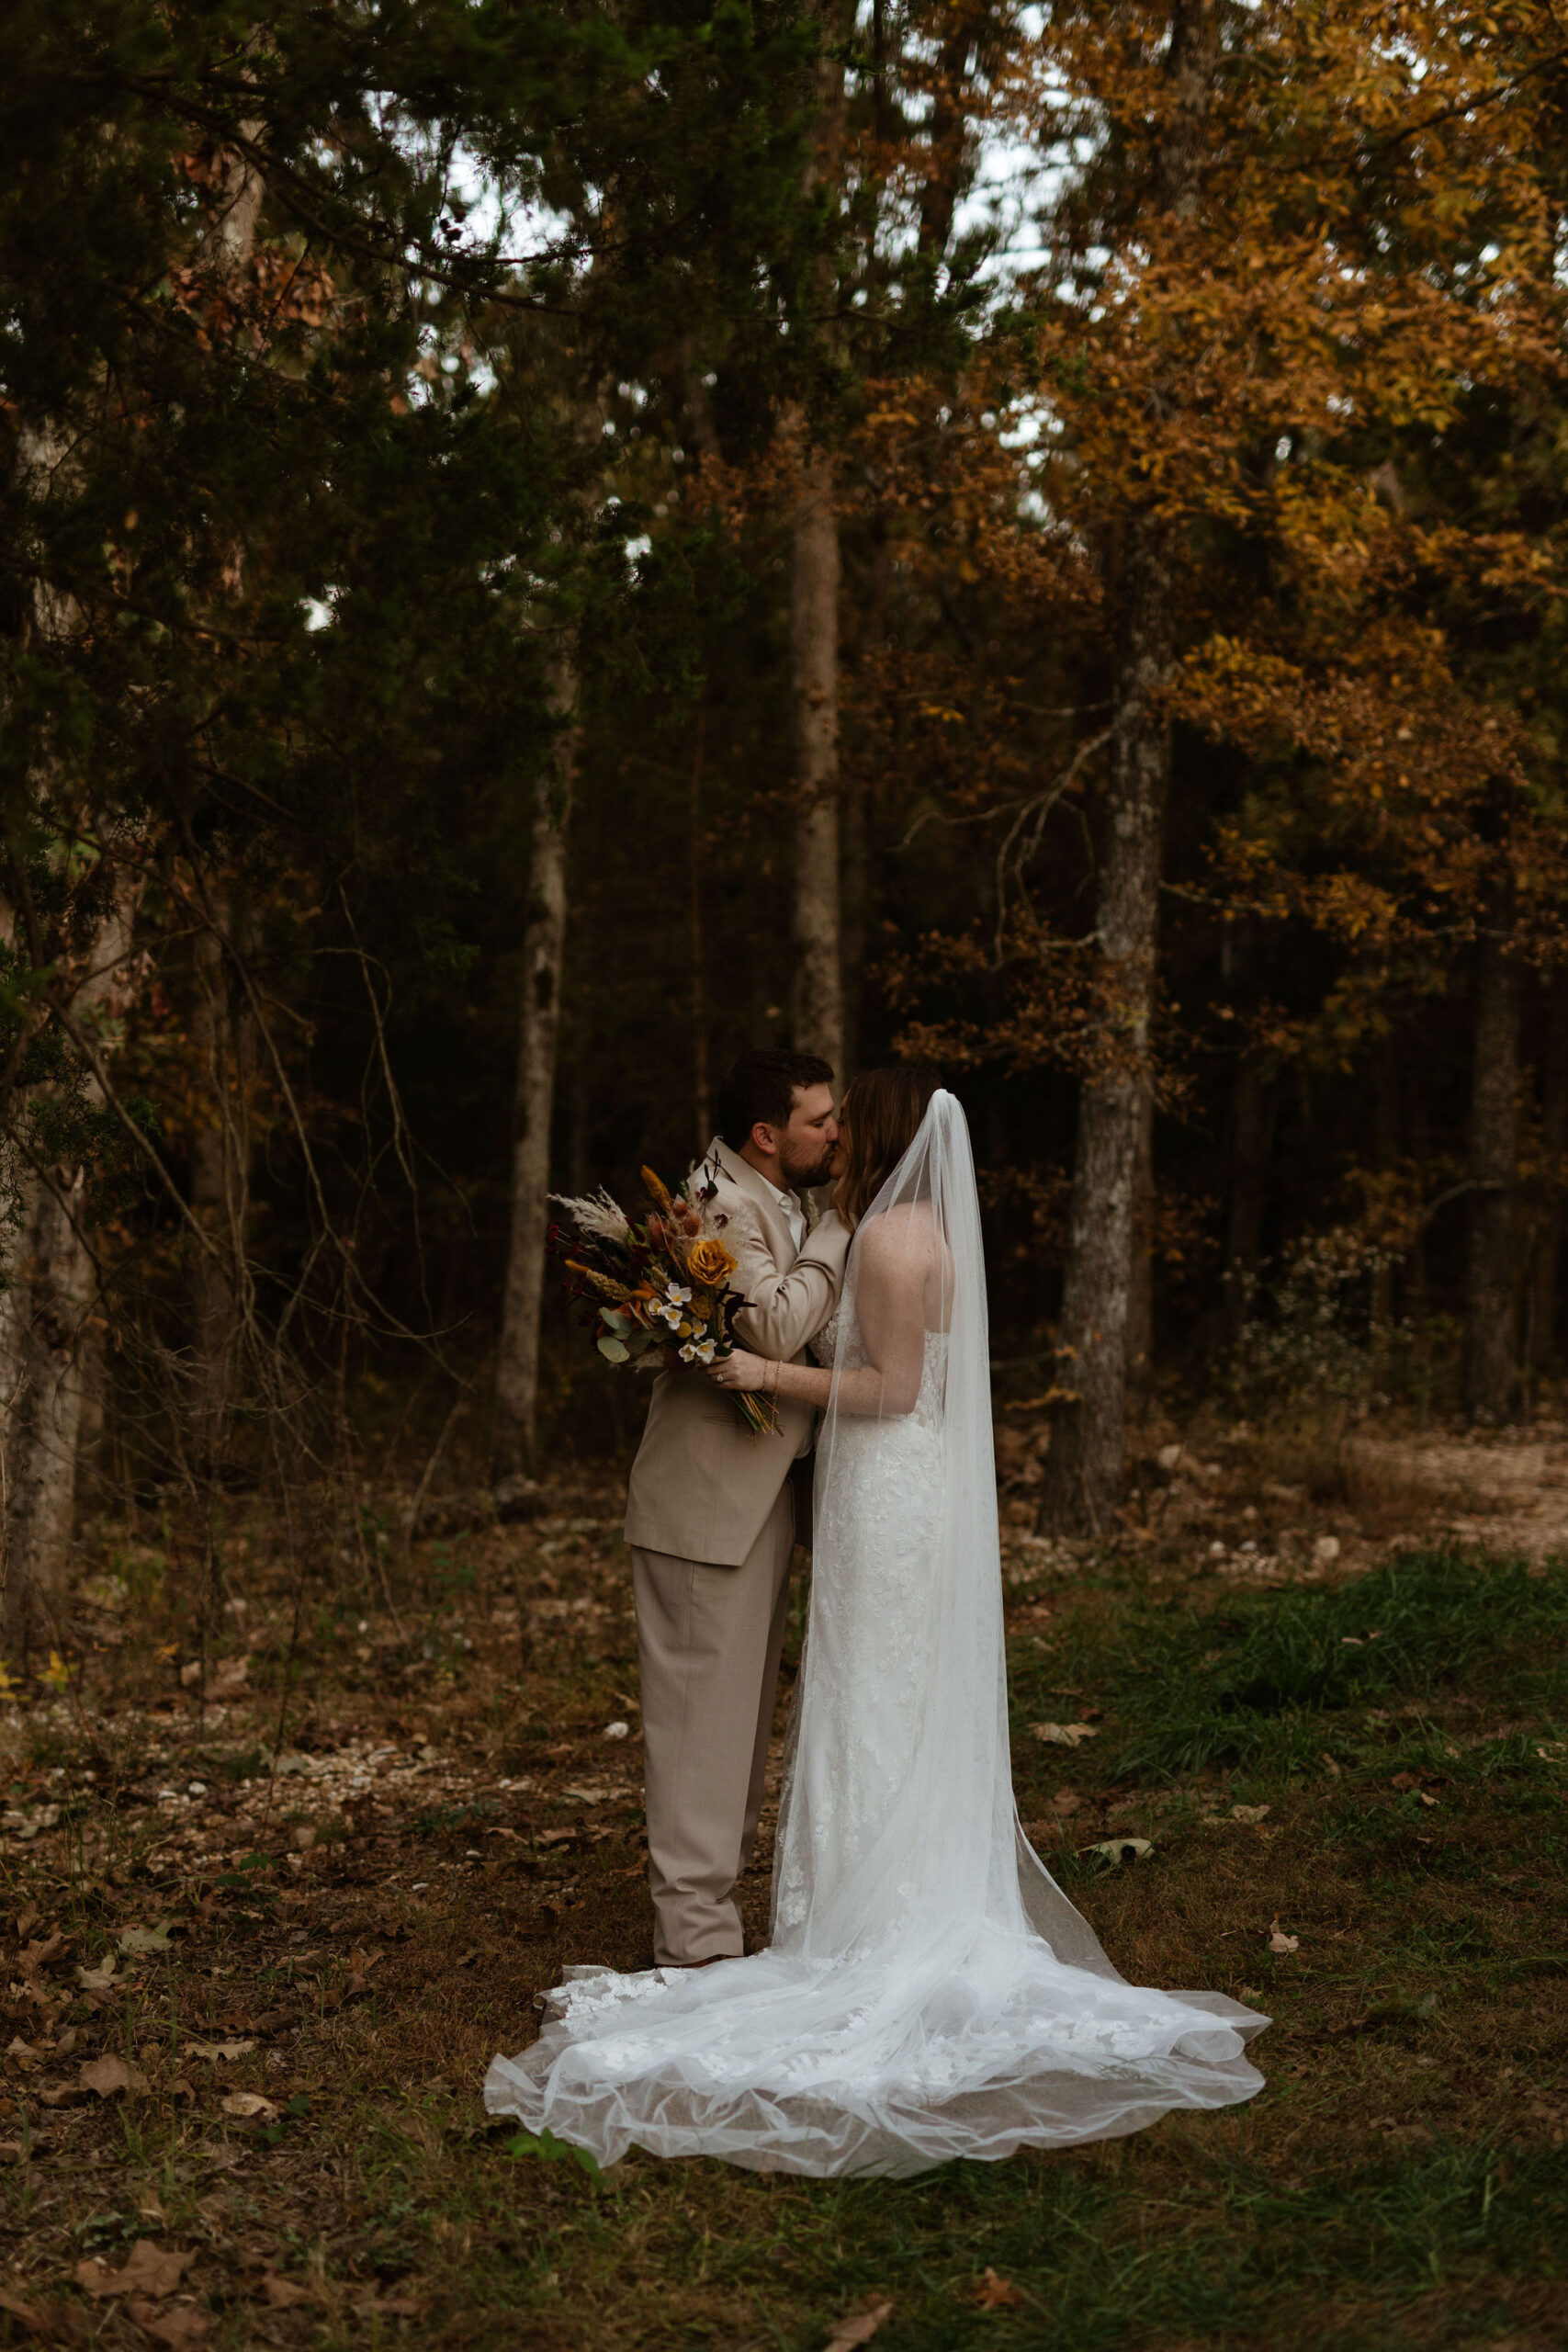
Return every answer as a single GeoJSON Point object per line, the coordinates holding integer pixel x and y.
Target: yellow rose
{"type": "Point", "coordinates": [710, 1262]}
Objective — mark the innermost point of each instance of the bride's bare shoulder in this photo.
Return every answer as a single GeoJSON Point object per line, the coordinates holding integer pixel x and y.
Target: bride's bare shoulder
{"type": "Point", "coordinates": [904, 1233]}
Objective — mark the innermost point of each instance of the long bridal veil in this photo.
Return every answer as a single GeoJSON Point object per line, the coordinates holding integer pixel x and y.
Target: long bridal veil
{"type": "Point", "coordinates": [904, 1701]}
{"type": "Point", "coordinates": [928, 1990]}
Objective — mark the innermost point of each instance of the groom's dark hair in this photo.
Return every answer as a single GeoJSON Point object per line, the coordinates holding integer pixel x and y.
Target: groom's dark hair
{"type": "Point", "coordinates": [762, 1086]}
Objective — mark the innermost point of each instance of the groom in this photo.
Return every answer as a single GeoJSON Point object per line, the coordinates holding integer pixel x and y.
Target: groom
{"type": "Point", "coordinates": [710, 1510]}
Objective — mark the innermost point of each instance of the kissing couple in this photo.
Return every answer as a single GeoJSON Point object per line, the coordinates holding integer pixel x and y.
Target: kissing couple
{"type": "Point", "coordinates": [927, 1990]}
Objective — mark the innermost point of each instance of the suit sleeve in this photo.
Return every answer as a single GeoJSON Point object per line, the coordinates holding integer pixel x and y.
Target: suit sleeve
{"type": "Point", "coordinates": [783, 1311]}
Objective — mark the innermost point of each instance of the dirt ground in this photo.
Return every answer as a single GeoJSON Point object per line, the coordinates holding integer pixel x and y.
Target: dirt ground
{"type": "Point", "coordinates": [274, 1900]}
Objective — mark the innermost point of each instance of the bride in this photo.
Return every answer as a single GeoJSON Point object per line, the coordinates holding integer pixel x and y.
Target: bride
{"type": "Point", "coordinates": [929, 1992]}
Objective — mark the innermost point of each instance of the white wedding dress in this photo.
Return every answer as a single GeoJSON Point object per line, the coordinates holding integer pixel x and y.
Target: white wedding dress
{"type": "Point", "coordinates": [928, 1990]}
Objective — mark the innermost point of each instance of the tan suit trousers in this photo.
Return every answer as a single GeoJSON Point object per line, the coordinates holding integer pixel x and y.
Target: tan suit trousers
{"type": "Point", "coordinates": [708, 1644]}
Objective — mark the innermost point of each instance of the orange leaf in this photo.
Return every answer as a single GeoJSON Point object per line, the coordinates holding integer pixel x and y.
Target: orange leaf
{"type": "Point", "coordinates": [995, 2295]}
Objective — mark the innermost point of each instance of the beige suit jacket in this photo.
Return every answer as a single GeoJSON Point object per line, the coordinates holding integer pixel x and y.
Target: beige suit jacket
{"type": "Point", "coordinates": [702, 1485]}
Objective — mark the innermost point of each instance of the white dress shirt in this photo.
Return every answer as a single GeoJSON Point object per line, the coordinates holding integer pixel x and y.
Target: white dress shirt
{"type": "Point", "coordinates": [793, 1214]}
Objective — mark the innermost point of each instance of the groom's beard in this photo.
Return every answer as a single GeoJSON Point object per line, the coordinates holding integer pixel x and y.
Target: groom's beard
{"type": "Point", "coordinates": [820, 1172]}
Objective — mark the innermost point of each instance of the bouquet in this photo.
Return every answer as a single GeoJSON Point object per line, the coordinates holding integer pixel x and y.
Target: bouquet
{"type": "Point", "coordinates": [660, 1285]}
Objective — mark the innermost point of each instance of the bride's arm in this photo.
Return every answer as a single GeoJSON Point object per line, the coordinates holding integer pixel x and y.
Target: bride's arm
{"type": "Point", "coordinates": [890, 1278]}
{"type": "Point", "coordinates": [808, 1383]}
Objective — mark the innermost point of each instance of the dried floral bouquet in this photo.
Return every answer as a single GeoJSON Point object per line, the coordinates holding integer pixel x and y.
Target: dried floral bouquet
{"type": "Point", "coordinates": [660, 1286]}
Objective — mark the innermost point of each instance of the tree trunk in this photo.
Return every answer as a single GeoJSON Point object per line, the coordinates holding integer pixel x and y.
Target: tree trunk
{"type": "Point", "coordinates": [53, 1295]}
{"type": "Point", "coordinates": [1084, 1465]}
{"type": "Point", "coordinates": [855, 866]}
{"type": "Point", "coordinates": [1553, 1144]}
{"type": "Point", "coordinates": [220, 1176]}
{"type": "Point", "coordinates": [220, 1184]}
{"type": "Point", "coordinates": [818, 1010]}
{"type": "Point", "coordinates": [1254, 1114]}
{"type": "Point", "coordinates": [1141, 1282]}
{"type": "Point", "coordinates": [701, 1088]}
{"type": "Point", "coordinates": [46, 1305]}
{"type": "Point", "coordinates": [544, 942]}
{"type": "Point", "coordinates": [1490, 1368]}
{"type": "Point", "coordinates": [819, 1023]}
{"type": "Point", "coordinates": [1386, 1130]}
{"type": "Point", "coordinates": [1083, 1468]}
{"type": "Point", "coordinates": [949, 133]}
{"type": "Point", "coordinates": [855, 843]}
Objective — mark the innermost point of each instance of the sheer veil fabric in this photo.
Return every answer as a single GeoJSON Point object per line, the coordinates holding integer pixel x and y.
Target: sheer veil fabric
{"type": "Point", "coordinates": [928, 1990]}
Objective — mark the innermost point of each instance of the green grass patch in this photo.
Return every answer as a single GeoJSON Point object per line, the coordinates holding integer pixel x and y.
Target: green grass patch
{"type": "Point", "coordinates": [1252, 1680]}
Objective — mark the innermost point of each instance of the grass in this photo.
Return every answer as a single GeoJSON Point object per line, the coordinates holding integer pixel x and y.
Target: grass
{"type": "Point", "coordinates": [1375, 1770]}
{"type": "Point", "coordinates": [1256, 1680]}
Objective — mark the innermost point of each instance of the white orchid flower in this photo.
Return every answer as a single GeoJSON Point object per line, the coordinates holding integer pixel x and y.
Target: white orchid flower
{"type": "Point", "coordinates": [697, 1351]}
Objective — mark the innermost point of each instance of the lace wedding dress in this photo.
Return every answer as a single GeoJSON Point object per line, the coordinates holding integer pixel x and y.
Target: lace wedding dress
{"type": "Point", "coordinates": [929, 1992]}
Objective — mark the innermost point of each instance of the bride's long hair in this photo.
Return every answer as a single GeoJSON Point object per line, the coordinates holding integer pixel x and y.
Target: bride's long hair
{"type": "Point", "coordinates": [881, 1111]}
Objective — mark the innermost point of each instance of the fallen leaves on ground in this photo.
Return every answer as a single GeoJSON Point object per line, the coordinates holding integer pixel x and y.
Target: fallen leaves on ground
{"type": "Point", "coordinates": [249, 2104]}
{"type": "Point", "coordinates": [1278, 1940]}
{"type": "Point", "coordinates": [283, 2294]}
{"type": "Point", "coordinates": [994, 2294]}
{"type": "Point", "coordinates": [859, 2328]}
{"type": "Point", "coordinates": [1121, 1849]}
{"type": "Point", "coordinates": [56, 2322]}
{"type": "Point", "coordinates": [1064, 1734]}
{"type": "Point", "coordinates": [220, 2049]}
{"type": "Point", "coordinates": [184, 2325]}
{"type": "Point", "coordinates": [149, 2269]}
{"type": "Point", "coordinates": [143, 1940]}
{"type": "Point", "coordinates": [108, 2076]}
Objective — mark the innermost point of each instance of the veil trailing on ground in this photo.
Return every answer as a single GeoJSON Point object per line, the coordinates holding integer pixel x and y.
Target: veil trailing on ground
{"type": "Point", "coordinates": [929, 1992]}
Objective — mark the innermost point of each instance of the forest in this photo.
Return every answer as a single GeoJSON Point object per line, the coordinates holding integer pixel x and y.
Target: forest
{"type": "Point", "coordinates": [544, 547]}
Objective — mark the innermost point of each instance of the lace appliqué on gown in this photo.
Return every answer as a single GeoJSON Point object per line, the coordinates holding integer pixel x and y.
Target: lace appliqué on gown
{"type": "Point", "coordinates": [884, 1513]}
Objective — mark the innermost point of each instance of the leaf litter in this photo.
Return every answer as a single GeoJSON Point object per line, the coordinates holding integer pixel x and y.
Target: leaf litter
{"type": "Point", "coordinates": [260, 1941]}
{"type": "Point", "coordinates": [149, 2269]}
